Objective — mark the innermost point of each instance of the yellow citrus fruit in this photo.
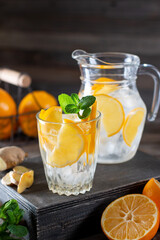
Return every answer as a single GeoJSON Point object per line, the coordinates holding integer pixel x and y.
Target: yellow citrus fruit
{"type": "Point", "coordinates": [92, 134]}
{"type": "Point", "coordinates": [52, 114]}
{"type": "Point", "coordinates": [32, 103]}
{"type": "Point", "coordinates": [113, 115]}
{"type": "Point", "coordinates": [48, 130]}
{"type": "Point", "coordinates": [89, 129]}
{"type": "Point", "coordinates": [131, 125]}
{"type": "Point", "coordinates": [152, 190]}
{"type": "Point", "coordinates": [8, 108]}
{"type": "Point", "coordinates": [106, 88]}
{"type": "Point", "coordinates": [132, 217]}
{"type": "Point", "coordinates": [70, 145]}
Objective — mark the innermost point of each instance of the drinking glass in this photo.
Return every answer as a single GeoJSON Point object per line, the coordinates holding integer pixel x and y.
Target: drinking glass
{"type": "Point", "coordinates": [69, 152]}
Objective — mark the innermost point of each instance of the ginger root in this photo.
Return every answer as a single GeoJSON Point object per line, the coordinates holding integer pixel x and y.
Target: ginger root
{"type": "Point", "coordinates": [15, 177]}
{"type": "Point", "coordinates": [21, 169]}
{"type": "Point", "coordinates": [21, 176]}
{"type": "Point", "coordinates": [10, 157]}
{"type": "Point", "coordinates": [26, 181]}
{"type": "Point", "coordinates": [6, 179]}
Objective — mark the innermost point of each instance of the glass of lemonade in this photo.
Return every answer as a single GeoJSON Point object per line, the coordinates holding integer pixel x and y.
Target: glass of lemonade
{"type": "Point", "coordinates": [69, 152]}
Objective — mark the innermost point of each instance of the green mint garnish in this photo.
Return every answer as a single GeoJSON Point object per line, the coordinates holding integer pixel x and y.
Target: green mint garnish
{"type": "Point", "coordinates": [71, 108]}
{"type": "Point", "coordinates": [11, 215]}
{"type": "Point", "coordinates": [72, 104]}
{"type": "Point", "coordinates": [75, 98]}
{"type": "Point", "coordinates": [64, 100]}
{"type": "Point", "coordinates": [86, 102]}
{"type": "Point", "coordinates": [85, 113]}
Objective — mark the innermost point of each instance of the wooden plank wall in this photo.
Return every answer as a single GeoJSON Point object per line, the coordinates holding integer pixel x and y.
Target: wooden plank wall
{"type": "Point", "coordinates": [38, 36]}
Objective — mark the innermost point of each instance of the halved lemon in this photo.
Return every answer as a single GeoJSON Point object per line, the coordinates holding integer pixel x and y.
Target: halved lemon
{"type": "Point", "coordinates": [132, 217]}
{"type": "Point", "coordinates": [113, 115]}
{"type": "Point", "coordinates": [70, 145]}
{"type": "Point", "coordinates": [131, 125]}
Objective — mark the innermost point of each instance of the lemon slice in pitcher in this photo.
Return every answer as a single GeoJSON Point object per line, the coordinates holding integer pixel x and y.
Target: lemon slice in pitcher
{"type": "Point", "coordinates": [106, 88]}
{"type": "Point", "coordinates": [113, 115]}
{"type": "Point", "coordinates": [131, 125]}
{"type": "Point", "coordinates": [70, 145]}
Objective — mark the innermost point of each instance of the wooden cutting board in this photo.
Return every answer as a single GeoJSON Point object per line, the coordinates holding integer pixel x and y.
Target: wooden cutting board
{"type": "Point", "coordinates": [50, 216]}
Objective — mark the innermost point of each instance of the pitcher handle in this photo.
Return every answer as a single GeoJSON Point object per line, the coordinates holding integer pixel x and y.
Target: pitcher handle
{"type": "Point", "coordinates": [147, 69]}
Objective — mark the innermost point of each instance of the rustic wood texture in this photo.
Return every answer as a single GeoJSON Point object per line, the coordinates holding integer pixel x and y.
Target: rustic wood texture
{"type": "Point", "coordinates": [38, 36]}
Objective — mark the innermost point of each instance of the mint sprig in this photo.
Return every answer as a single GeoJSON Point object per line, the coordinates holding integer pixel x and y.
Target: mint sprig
{"type": "Point", "coordinates": [11, 215]}
{"type": "Point", "coordinates": [72, 104]}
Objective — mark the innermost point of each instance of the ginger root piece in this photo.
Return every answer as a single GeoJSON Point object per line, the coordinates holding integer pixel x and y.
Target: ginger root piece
{"type": "Point", "coordinates": [10, 157]}
{"type": "Point", "coordinates": [20, 176]}
{"type": "Point", "coordinates": [14, 177]}
{"type": "Point", "coordinates": [20, 169]}
{"type": "Point", "coordinates": [26, 181]}
{"type": "Point", "coordinates": [6, 180]}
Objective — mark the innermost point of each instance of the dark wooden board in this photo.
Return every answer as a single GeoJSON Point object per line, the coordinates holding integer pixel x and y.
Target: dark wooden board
{"type": "Point", "coordinates": [52, 216]}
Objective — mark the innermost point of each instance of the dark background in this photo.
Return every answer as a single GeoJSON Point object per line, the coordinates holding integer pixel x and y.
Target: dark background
{"type": "Point", "coordinates": [38, 37]}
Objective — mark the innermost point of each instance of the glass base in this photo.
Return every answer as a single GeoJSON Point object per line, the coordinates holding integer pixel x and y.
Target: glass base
{"type": "Point", "coordinates": [70, 190]}
{"type": "Point", "coordinates": [114, 159]}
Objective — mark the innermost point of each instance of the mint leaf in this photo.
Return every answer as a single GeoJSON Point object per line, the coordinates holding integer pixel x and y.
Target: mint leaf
{"type": "Point", "coordinates": [2, 214]}
{"type": "Point", "coordinates": [18, 230]}
{"type": "Point", "coordinates": [11, 217]}
{"type": "Point", "coordinates": [71, 108]}
{"type": "Point", "coordinates": [86, 102]}
{"type": "Point", "coordinates": [64, 100]}
{"type": "Point", "coordinates": [75, 98]}
{"type": "Point", "coordinates": [19, 215]}
{"type": "Point", "coordinates": [85, 113]}
{"type": "Point", "coordinates": [11, 205]}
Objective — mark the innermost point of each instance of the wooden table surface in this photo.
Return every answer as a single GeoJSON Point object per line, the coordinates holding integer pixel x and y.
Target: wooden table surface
{"type": "Point", "coordinates": [150, 144]}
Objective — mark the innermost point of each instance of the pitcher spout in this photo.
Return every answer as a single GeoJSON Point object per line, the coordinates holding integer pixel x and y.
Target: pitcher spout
{"type": "Point", "coordinates": [83, 57]}
{"type": "Point", "coordinates": [80, 56]}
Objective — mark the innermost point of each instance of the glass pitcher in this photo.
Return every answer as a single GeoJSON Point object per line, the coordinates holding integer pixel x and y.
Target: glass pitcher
{"type": "Point", "coordinates": [111, 77]}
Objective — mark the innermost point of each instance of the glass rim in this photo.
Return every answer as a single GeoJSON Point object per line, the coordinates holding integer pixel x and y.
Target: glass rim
{"type": "Point", "coordinates": [135, 60]}
{"type": "Point", "coordinates": [79, 122]}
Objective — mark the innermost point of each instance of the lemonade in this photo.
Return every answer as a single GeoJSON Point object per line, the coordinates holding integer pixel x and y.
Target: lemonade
{"type": "Point", "coordinates": [123, 119]}
{"type": "Point", "coordinates": [111, 78]}
{"type": "Point", "coordinates": [68, 147]}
